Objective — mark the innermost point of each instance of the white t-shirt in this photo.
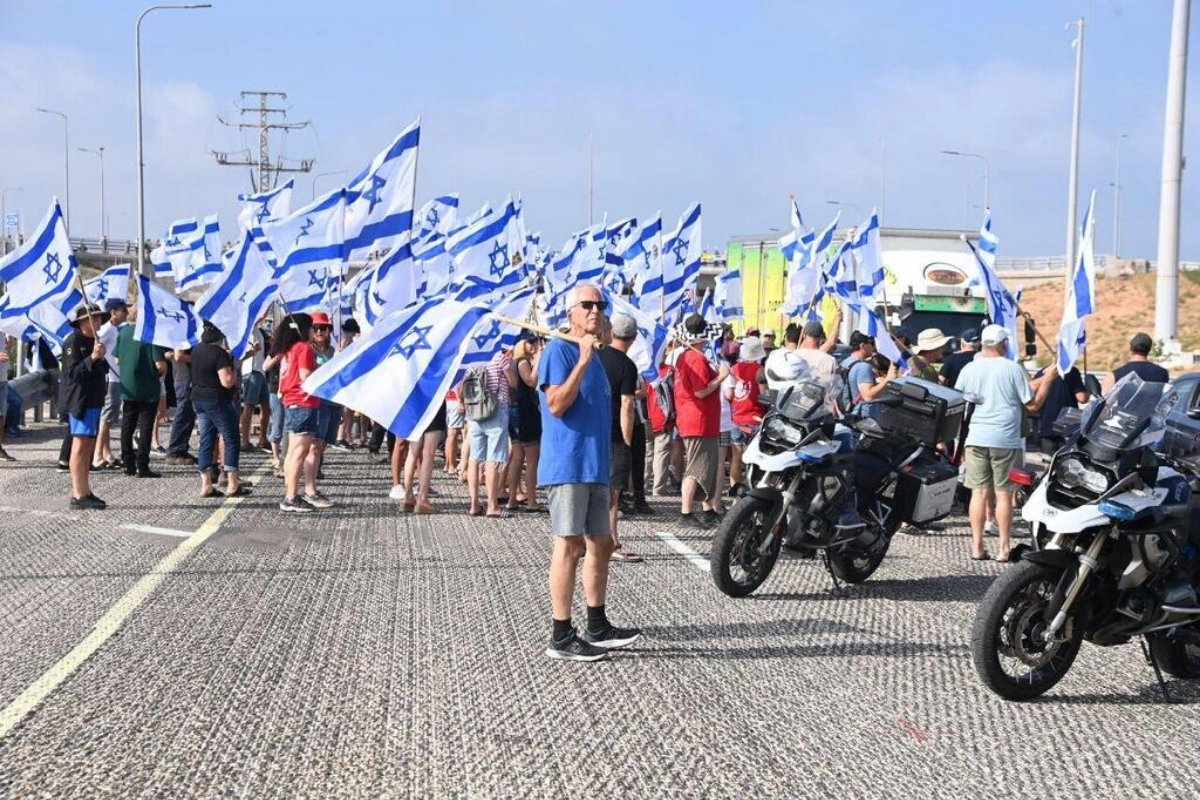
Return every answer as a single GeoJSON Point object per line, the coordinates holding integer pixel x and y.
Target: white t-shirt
{"type": "Point", "coordinates": [255, 362]}
{"type": "Point", "coordinates": [726, 407]}
{"type": "Point", "coordinates": [108, 337]}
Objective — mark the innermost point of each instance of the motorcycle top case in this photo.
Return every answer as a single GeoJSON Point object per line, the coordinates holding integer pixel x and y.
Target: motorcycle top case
{"type": "Point", "coordinates": [925, 490]}
{"type": "Point", "coordinates": [928, 412]}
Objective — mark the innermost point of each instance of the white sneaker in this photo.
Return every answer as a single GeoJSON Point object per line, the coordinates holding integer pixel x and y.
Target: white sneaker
{"type": "Point", "coordinates": [397, 493]}
{"type": "Point", "coordinates": [989, 528]}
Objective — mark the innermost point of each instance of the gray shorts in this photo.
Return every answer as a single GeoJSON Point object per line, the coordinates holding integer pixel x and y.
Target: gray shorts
{"type": "Point", "coordinates": [700, 463]}
{"type": "Point", "coordinates": [254, 389]}
{"type": "Point", "coordinates": [111, 413]}
{"type": "Point", "coordinates": [579, 509]}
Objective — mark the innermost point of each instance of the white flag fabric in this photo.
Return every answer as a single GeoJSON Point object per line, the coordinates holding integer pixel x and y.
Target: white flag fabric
{"type": "Point", "coordinates": [728, 295]}
{"type": "Point", "coordinates": [1080, 301]}
{"type": "Point", "coordinates": [379, 211]}
{"type": "Point", "coordinates": [240, 295]}
{"type": "Point", "coordinates": [650, 346]}
{"type": "Point", "coordinates": [164, 319]}
{"type": "Point", "coordinates": [40, 279]}
{"type": "Point", "coordinates": [258, 208]}
{"type": "Point", "coordinates": [399, 373]}
{"type": "Point", "coordinates": [310, 248]}
{"type": "Point", "coordinates": [113, 282]}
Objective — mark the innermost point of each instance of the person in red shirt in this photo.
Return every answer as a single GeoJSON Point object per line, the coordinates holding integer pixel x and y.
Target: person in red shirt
{"type": "Point", "coordinates": [742, 388]}
{"type": "Point", "coordinates": [301, 410]}
{"type": "Point", "coordinates": [698, 420]}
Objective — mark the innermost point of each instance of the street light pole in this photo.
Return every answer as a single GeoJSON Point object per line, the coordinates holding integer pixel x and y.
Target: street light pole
{"type": "Point", "coordinates": [66, 161]}
{"type": "Point", "coordinates": [857, 210]}
{"type": "Point", "coordinates": [987, 173]}
{"type": "Point", "coordinates": [1166, 296]}
{"type": "Point", "coordinates": [141, 178]}
{"type": "Point", "coordinates": [103, 212]}
{"type": "Point", "coordinates": [1073, 183]}
{"type": "Point", "coordinates": [1116, 240]}
{"type": "Point", "coordinates": [322, 175]}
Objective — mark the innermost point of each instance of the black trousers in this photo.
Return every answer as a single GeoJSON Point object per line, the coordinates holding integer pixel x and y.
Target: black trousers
{"type": "Point", "coordinates": [639, 460]}
{"type": "Point", "coordinates": [140, 415]}
{"type": "Point", "coordinates": [64, 452]}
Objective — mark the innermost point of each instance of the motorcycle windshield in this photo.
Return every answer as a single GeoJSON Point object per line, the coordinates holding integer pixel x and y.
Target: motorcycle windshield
{"type": "Point", "coordinates": [1131, 415]}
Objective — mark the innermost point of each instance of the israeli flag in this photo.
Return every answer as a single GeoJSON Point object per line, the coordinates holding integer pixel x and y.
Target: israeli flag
{"type": "Point", "coordinates": [491, 336]}
{"type": "Point", "coordinates": [206, 256]}
{"type": "Point", "coordinates": [437, 268]}
{"type": "Point", "coordinates": [190, 253]}
{"type": "Point", "coordinates": [870, 324]}
{"type": "Point", "coordinates": [650, 346]}
{"type": "Point", "coordinates": [641, 251]}
{"type": "Point", "coordinates": [439, 215]}
{"type": "Point", "coordinates": [728, 295]}
{"type": "Point", "coordinates": [240, 295]}
{"type": "Point", "coordinates": [379, 211]}
{"type": "Point", "coordinates": [681, 259]}
{"type": "Point", "coordinates": [310, 247]}
{"type": "Point", "coordinates": [259, 208]}
{"type": "Point", "coordinates": [394, 284]}
{"type": "Point", "coordinates": [1081, 296]}
{"type": "Point", "coordinates": [399, 373]}
{"type": "Point", "coordinates": [164, 319]}
{"type": "Point", "coordinates": [40, 278]}
{"type": "Point", "coordinates": [489, 252]}
{"type": "Point", "coordinates": [113, 282]}
{"type": "Point", "coordinates": [1002, 306]}
{"type": "Point", "coordinates": [805, 281]}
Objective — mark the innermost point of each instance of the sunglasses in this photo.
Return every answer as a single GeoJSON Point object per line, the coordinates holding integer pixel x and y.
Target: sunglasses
{"type": "Point", "coordinates": [588, 305]}
{"type": "Point", "coordinates": [322, 328]}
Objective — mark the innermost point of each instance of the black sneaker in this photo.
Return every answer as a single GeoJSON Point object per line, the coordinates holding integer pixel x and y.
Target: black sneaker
{"type": "Point", "coordinates": [572, 648]}
{"type": "Point", "coordinates": [711, 517]}
{"type": "Point", "coordinates": [63, 468]}
{"type": "Point", "coordinates": [341, 444]}
{"type": "Point", "coordinates": [181, 460]}
{"type": "Point", "coordinates": [147, 473]}
{"type": "Point", "coordinates": [691, 521]}
{"type": "Point", "coordinates": [640, 506]}
{"type": "Point", "coordinates": [613, 637]}
{"type": "Point", "coordinates": [4, 456]}
{"type": "Point", "coordinates": [89, 503]}
{"type": "Point", "coordinates": [296, 505]}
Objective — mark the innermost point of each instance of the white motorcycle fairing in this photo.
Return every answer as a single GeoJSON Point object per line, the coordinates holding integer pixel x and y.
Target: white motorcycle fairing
{"type": "Point", "coordinates": [1038, 510]}
{"type": "Point", "coordinates": [813, 453]}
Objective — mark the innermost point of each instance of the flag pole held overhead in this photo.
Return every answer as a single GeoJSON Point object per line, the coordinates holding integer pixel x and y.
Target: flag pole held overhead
{"type": "Point", "coordinates": [538, 329]}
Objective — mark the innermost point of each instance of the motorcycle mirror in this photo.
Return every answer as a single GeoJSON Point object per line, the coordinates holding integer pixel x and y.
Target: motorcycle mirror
{"type": "Point", "coordinates": [1092, 384]}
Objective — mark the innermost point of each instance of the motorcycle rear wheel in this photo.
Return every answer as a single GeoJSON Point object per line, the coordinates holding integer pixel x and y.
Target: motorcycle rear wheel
{"type": "Point", "coordinates": [1178, 657]}
{"type": "Point", "coordinates": [738, 563]}
{"type": "Point", "coordinates": [1009, 656]}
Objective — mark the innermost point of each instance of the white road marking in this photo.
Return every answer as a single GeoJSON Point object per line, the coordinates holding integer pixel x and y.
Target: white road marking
{"type": "Point", "coordinates": [37, 512]}
{"type": "Point", "coordinates": [160, 531]}
{"type": "Point", "coordinates": [106, 626]}
{"type": "Point", "coordinates": [695, 559]}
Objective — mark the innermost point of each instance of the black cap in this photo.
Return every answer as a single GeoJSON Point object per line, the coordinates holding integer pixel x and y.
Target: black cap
{"type": "Point", "coordinates": [350, 325]}
{"type": "Point", "coordinates": [114, 303]}
{"type": "Point", "coordinates": [1141, 343]}
{"type": "Point", "coordinates": [970, 336]}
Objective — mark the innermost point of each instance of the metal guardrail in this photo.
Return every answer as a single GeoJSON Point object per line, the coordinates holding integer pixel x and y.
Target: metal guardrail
{"type": "Point", "coordinates": [36, 389]}
{"type": "Point", "coordinates": [107, 246]}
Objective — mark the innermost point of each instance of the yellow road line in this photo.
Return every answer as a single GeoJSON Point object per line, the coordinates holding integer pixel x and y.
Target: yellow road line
{"type": "Point", "coordinates": [114, 618]}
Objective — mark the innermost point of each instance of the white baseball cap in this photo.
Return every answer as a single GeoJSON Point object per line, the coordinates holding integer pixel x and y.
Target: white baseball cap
{"type": "Point", "coordinates": [993, 335]}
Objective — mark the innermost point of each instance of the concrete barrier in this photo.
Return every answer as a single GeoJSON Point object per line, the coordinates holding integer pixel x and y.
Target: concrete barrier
{"type": "Point", "coordinates": [36, 389]}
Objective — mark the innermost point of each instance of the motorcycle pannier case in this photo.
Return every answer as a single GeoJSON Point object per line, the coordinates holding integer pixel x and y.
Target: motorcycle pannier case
{"type": "Point", "coordinates": [928, 412]}
{"type": "Point", "coordinates": [925, 490]}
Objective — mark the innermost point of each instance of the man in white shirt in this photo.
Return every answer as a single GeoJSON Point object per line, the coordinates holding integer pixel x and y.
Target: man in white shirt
{"type": "Point", "coordinates": [110, 415]}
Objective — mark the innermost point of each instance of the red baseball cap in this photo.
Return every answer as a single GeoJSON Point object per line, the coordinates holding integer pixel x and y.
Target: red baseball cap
{"type": "Point", "coordinates": [321, 318]}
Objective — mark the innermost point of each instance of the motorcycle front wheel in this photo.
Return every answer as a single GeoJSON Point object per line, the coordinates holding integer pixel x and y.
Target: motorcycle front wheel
{"type": "Point", "coordinates": [744, 550]}
{"type": "Point", "coordinates": [1007, 647]}
{"type": "Point", "coordinates": [854, 562]}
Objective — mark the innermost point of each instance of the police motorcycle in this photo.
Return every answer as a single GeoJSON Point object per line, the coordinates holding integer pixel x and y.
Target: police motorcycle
{"type": "Point", "coordinates": [1121, 559]}
{"type": "Point", "coordinates": [839, 491]}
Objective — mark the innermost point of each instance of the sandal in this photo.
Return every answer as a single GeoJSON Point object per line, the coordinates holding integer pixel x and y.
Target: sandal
{"type": "Point", "coordinates": [475, 512]}
{"type": "Point", "coordinates": [408, 507]}
{"type": "Point", "coordinates": [242, 491]}
{"type": "Point", "coordinates": [985, 556]}
{"type": "Point", "coordinates": [212, 493]}
{"type": "Point", "coordinates": [501, 514]}
{"type": "Point", "coordinates": [621, 554]}
{"type": "Point", "coordinates": [540, 508]}
{"type": "Point", "coordinates": [423, 508]}
{"type": "Point", "coordinates": [1005, 558]}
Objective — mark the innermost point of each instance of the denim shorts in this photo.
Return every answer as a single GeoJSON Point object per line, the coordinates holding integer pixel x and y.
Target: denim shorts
{"type": "Point", "coordinates": [330, 422]}
{"type": "Point", "coordinates": [740, 438]}
{"type": "Point", "coordinates": [301, 421]}
{"type": "Point", "coordinates": [489, 438]}
{"type": "Point", "coordinates": [579, 509]}
{"type": "Point", "coordinates": [87, 426]}
{"type": "Point", "coordinates": [254, 389]}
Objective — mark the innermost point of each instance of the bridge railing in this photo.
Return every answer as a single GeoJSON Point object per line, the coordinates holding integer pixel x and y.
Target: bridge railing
{"type": "Point", "coordinates": [36, 389]}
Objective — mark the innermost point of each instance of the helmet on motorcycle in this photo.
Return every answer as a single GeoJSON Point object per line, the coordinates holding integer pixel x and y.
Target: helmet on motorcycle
{"type": "Point", "coordinates": [789, 367]}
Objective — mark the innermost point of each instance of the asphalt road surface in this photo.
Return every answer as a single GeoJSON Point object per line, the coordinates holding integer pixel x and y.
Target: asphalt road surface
{"type": "Point", "coordinates": [178, 647]}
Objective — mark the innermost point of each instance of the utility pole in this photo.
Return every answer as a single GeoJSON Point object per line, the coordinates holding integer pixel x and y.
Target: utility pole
{"type": "Point", "coordinates": [269, 119]}
{"type": "Point", "coordinates": [1166, 300]}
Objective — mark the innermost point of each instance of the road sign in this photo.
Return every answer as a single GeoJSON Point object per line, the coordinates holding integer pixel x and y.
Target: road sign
{"type": "Point", "coordinates": [12, 220]}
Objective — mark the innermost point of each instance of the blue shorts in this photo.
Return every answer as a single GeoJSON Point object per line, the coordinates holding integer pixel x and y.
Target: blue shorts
{"type": "Point", "coordinates": [741, 438]}
{"type": "Point", "coordinates": [331, 420]}
{"type": "Point", "coordinates": [254, 389]}
{"type": "Point", "coordinates": [87, 426]}
{"type": "Point", "coordinates": [489, 438]}
{"type": "Point", "coordinates": [301, 421]}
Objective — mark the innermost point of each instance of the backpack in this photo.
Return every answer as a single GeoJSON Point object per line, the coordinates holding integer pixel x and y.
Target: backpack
{"type": "Point", "coordinates": [664, 395]}
{"type": "Point", "coordinates": [845, 398]}
{"type": "Point", "coordinates": [478, 398]}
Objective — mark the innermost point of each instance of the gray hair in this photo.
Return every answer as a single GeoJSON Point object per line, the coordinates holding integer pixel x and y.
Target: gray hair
{"type": "Point", "coordinates": [573, 294]}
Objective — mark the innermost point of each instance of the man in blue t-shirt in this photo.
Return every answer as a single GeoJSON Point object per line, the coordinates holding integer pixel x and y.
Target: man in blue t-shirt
{"type": "Point", "coordinates": [574, 467]}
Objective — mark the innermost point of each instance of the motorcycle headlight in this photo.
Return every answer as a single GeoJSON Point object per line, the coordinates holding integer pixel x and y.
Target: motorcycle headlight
{"type": "Point", "coordinates": [781, 430]}
{"type": "Point", "coordinates": [1074, 474]}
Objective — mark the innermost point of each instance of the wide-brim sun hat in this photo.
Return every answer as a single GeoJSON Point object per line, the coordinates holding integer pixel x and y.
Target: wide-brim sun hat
{"type": "Point", "coordinates": [752, 349]}
{"type": "Point", "coordinates": [931, 339]}
{"type": "Point", "coordinates": [99, 316]}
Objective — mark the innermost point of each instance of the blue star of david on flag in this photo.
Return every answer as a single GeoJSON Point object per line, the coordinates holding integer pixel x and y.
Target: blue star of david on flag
{"type": "Point", "coordinates": [262, 213]}
{"type": "Point", "coordinates": [491, 333]}
{"type": "Point", "coordinates": [412, 341]}
{"type": "Point", "coordinates": [680, 250]}
{"type": "Point", "coordinates": [52, 269]}
{"type": "Point", "coordinates": [372, 194]}
{"type": "Point", "coordinates": [172, 314]}
{"type": "Point", "coordinates": [498, 253]}
{"type": "Point", "coordinates": [314, 279]}
{"type": "Point", "coordinates": [304, 226]}
{"type": "Point", "coordinates": [433, 218]}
